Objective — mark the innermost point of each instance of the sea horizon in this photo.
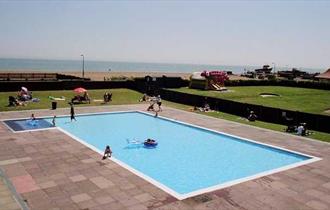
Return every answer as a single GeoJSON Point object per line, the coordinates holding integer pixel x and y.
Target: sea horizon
{"type": "Point", "coordinates": [62, 65]}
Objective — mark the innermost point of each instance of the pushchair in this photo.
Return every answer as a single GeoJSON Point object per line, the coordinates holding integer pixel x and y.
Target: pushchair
{"type": "Point", "coordinates": [12, 101]}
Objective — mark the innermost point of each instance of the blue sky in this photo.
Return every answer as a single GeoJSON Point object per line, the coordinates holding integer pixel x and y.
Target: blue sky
{"type": "Point", "coordinates": [288, 33]}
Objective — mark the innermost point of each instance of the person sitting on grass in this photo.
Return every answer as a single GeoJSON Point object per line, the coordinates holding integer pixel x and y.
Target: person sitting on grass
{"type": "Point", "coordinates": [144, 98]}
{"type": "Point", "coordinates": [107, 97]}
{"type": "Point", "coordinates": [81, 99]}
{"type": "Point", "coordinates": [302, 130]}
{"type": "Point", "coordinates": [24, 95]}
{"type": "Point", "coordinates": [107, 152]}
{"type": "Point", "coordinates": [291, 128]}
{"type": "Point", "coordinates": [86, 97]}
{"type": "Point", "coordinates": [206, 107]}
{"type": "Point", "coordinates": [12, 101]}
{"type": "Point", "coordinates": [200, 109]}
{"type": "Point", "coordinates": [252, 117]}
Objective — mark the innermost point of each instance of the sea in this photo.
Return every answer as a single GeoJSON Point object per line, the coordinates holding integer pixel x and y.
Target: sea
{"type": "Point", "coordinates": [19, 65]}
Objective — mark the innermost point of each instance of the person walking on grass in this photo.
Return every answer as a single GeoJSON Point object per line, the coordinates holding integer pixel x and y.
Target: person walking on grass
{"type": "Point", "coordinates": [72, 112]}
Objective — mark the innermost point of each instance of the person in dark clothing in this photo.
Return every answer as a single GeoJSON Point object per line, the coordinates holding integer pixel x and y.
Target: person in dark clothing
{"type": "Point", "coordinates": [107, 97]}
{"type": "Point", "coordinates": [32, 117]}
{"type": "Point", "coordinates": [252, 117]}
{"type": "Point", "coordinates": [12, 101]}
{"type": "Point", "coordinates": [54, 121]}
{"type": "Point", "coordinates": [144, 97]}
{"type": "Point", "coordinates": [107, 152]}
{"type": "Point", "coordinates": [72, 112]}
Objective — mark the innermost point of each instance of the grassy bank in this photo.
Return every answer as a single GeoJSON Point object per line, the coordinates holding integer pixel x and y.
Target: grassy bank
{"type": "Point", "coordinates": [296, 99]}
{"type": "Point", "coordinates": [125, 96]}
{"type": "Point", "coordinates": [271, 126]}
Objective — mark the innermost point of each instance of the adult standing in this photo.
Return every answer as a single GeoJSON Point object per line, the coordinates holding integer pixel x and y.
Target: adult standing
{"type": "Point", "coordinates": [72, 112]}
{"type": "Point", "coordinates": [54, 121]}
{"type": "Point", "coordinates": [159, 102]}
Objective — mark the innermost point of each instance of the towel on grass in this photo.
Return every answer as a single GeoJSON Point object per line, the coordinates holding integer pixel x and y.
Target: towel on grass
{"type": "Point", "coordinates": [57, 99]}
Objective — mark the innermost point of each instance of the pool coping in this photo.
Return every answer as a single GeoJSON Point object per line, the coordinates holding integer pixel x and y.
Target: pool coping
{"type": "Point", "coordinates": [162, 186]}
{"type": "Point", "coordinates": [17, 197]}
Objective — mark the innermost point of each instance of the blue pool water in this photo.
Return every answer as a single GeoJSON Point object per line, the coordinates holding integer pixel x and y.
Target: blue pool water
{"type": "Point", "coordinates": [186, 159]}
{"type": "Point", "coordinates": [27, 124]}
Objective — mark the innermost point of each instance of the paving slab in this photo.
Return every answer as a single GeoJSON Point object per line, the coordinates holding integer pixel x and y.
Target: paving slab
{"type": "Point", "coordinates": [65, 174]}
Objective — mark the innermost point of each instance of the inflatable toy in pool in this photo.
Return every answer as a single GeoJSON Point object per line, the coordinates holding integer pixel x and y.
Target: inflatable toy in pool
{"type": "Point", "coordinates": [150, 143]}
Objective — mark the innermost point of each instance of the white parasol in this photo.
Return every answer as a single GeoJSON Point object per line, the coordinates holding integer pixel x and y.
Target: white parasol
{"type": "Point", "coordinates": [24, 89]}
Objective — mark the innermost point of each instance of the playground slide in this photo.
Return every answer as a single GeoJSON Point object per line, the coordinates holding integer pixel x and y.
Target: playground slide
{"type": "Point", "coordinates": [216, 87]}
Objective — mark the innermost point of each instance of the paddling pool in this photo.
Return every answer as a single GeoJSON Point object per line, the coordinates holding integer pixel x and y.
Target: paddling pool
{"type": "Point", "coordinates": [27, 124]}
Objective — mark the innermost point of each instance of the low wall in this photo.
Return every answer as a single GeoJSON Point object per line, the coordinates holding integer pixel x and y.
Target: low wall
{"type": "Point", "coordinates": [152, 86]}
{"type": "Point", "coordinates": [63, 85]}
{"type": "Point", "coordinates": [268, 114]}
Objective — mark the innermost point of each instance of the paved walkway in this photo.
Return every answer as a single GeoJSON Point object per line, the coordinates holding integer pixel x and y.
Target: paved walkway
{"type": "Point", "coordinates": [52, 171]}
{"type": "Point", "coordinates": [7, 199]}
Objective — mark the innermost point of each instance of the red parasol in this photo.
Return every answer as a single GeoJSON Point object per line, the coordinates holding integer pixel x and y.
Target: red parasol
{"type": "Point", "coordinates": [80, 90]}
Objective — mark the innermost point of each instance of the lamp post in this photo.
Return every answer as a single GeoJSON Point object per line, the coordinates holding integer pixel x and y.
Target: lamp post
{"type": "Point", "coordinates": [83, 66]}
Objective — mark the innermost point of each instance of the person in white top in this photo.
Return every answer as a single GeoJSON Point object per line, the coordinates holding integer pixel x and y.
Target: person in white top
{"type": "Point", "coordinates": [159, 102]}
{"type": "Point", "coordinates": [300, 130]}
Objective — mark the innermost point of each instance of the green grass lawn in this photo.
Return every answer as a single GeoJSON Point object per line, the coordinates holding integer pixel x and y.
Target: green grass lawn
{"type": "Point", "coordinates": [120, 96]}
{"type": "Point", "coordinates": [271, 126]}
{"type": "Point", "coordinates": [126, 96]}
{"type": "Point", "coordinates": [296, 99]}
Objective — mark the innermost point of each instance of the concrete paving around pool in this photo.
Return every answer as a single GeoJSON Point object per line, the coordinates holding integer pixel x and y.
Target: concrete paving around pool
{"type": "Point", "coordinates": [50, 170]}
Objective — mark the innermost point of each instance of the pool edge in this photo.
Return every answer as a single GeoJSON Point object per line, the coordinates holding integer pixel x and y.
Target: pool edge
{"type": "Point", "coordinates": [204, 190]}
